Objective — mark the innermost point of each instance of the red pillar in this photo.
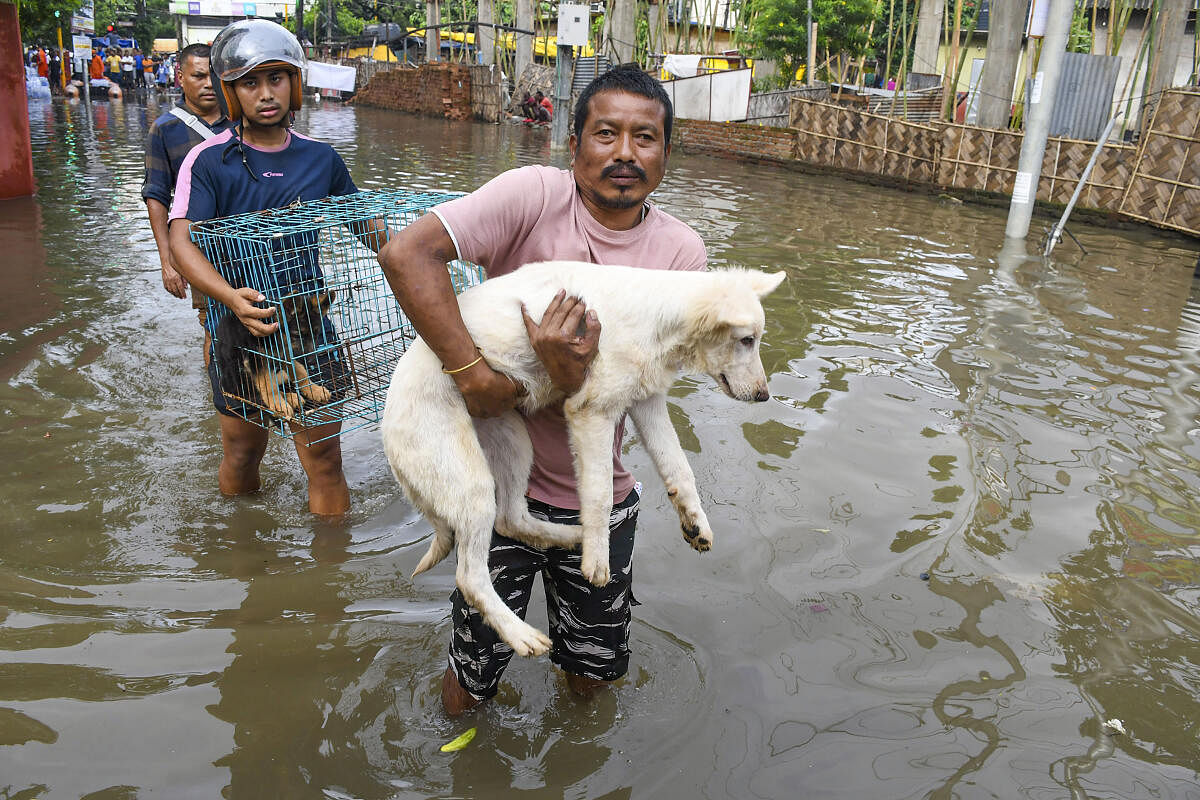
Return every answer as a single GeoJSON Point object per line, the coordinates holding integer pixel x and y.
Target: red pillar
{"type": "Point", "coordinates": [16, 153]}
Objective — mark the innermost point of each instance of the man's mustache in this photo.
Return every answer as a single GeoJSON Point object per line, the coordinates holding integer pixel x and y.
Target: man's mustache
{"type": "Point", "coordinates": [623, 171]}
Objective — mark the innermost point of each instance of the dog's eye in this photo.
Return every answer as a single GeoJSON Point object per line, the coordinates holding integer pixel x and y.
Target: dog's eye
{"type": "Point", "coordinates": [748, 341]}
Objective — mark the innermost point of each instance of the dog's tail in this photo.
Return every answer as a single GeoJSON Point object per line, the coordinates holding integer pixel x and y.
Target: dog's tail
{"type": "Point", "coordinates": [439, 548]}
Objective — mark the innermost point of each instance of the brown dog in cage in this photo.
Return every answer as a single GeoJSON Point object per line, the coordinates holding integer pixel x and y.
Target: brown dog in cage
{"type": "Point", "coordinates": [258, 371]}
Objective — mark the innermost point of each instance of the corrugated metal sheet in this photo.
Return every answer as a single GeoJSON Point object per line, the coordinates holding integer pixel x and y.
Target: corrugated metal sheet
{"type": "Point", "coordinates": [587, 68]}
{"type": "Point", "coordinates": [1085, 95]}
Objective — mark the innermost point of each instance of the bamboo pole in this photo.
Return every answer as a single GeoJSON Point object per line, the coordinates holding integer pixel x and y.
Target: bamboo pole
{"type": "Point", "coordinates": [908, 37]}
{"type": "Point", "coordinates": [887, 66]}
{"type": "Point", "coordinates": [949, 89]}
{"type": "Point", "coordinates": [962, 61]}
{"type": "Point", "coordinates": [1126, 95]}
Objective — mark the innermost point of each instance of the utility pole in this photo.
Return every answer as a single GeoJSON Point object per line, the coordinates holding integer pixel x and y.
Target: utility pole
{"type": "Point", "coordinates": [812, 50]}
{"type": "Point", "coordinates": [1037, 121]}
{"type": "Point", "coordinates": [562, 96]}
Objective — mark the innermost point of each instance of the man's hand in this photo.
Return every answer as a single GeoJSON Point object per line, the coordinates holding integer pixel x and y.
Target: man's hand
{"type": "Point", "coordinates": [173, 282]}
{"type": "Point", "coordinates": [566, 341]}
{"type": "Point", "coordinates": [487, 393]}
{"type": "Point", "coordinates": [250, 315]}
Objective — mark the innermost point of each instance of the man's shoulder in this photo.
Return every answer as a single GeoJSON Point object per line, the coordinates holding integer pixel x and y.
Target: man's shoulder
{"type": "Point", "coordinates": [674, 224]}
{"type": "Point", "coordinates": [208, 151]}
{"type": "Point", "coordinates": [309, 146]}
{"type": "Point", "coordinates": [690, 245]}
{"type": "Point", "coordinates": [540, 174]}
{"type": "Point", "coordinates": [164, 121]}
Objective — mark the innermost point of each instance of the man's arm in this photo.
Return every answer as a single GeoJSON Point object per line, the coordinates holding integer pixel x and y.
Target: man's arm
{"type": "Point", "coordinates": [173, 282]}
{"type": "Point", "coordinates": [414, 263]}
{"type": "Point", "coordinates": [197, 269]}
{"type": "Point", "coordinates": [373, 233]}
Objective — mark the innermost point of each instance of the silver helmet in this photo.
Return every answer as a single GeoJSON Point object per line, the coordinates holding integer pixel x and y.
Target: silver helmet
{"type": "Point", "coordinates": [246, 45]}
{"type": "Point", "coordinates": [243, 45]}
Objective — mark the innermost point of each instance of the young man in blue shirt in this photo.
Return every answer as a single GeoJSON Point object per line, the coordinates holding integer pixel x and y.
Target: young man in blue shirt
{"type": "Point", "coordinates": [260, 164]}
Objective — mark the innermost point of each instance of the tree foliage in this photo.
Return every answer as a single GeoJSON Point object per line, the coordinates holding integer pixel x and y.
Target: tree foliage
{"type": "Point", "coordinates": [148, 20]}
{"type": "Point", "coordinates": [779, 30]}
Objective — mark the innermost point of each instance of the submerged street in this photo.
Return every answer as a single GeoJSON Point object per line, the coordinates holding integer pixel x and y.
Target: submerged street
{"type": "Point", "coordinates": [962, 535]}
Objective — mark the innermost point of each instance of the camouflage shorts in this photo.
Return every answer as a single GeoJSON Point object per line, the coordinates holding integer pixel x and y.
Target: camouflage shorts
{"type": "Point", "coordinates": [589, 625]}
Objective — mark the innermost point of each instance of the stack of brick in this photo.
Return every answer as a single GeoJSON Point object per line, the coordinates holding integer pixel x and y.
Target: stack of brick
{"type": "Point", "coordinates": [754, 142]}
{"type": "Point", "coordinates": [439, 90]}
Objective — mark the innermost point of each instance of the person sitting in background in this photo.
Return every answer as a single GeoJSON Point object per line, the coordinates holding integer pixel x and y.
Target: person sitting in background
{"type": "Point", "coordinates": [529, 108]}
{"type": "Point", "coordinates": [545, 108]}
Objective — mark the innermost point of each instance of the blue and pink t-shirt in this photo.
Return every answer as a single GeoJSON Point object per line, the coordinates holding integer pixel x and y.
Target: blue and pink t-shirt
{"type": "Point", "coordinates": [213, 182]}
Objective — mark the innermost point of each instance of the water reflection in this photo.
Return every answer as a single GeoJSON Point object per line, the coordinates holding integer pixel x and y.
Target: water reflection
{"type": "Point", "coordinates": [1021, 432]}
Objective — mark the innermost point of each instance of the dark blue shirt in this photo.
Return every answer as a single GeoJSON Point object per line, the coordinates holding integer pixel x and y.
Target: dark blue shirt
{"type": "Point", "coordinates": [213, 182]}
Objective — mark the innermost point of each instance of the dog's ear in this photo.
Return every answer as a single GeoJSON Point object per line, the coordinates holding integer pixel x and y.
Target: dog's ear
{"type": "Point", "coordinates": [321, 301]}
{"type": "Point", "coordinates": [763, 283]}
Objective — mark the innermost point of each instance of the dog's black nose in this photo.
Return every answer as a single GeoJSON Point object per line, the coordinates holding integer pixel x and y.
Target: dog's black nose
{"type": "Point", "coordinates": [761, 396]}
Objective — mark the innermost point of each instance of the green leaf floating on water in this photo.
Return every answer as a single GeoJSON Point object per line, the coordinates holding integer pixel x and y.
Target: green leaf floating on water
{"type": "Point", "coordinates": [459, 743]}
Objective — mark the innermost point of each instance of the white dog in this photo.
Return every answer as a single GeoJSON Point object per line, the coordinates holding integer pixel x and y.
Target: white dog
{"type": "Point", "coordinates": [468, 476]}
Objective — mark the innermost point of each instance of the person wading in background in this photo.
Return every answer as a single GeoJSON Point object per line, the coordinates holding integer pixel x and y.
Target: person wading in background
{"type": "Point", "coordinates": [194, 119]}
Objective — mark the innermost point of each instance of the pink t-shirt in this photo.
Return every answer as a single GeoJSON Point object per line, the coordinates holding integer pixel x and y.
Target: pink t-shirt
{"type": "Point", "coordinates": [535, 214]}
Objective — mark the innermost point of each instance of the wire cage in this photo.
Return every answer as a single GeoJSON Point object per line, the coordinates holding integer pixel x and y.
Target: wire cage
{"type": "Point", "coordinates": [341, 330]}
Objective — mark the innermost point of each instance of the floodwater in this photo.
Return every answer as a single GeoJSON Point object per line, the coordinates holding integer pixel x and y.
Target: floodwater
{"type": "Point", "coordinates": [963, 534]}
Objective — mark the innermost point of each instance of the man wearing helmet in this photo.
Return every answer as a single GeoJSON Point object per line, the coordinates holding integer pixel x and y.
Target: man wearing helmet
{"type": "Point", "coordinates": [259, 164]}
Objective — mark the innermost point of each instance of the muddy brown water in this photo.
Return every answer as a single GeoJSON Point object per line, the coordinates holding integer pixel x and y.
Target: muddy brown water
{"type": "Point", "coordinates": [1023, 434]}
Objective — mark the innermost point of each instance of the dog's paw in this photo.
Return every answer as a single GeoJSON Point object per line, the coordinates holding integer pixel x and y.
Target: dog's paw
{"type": "Point", "coordinates": [280, 407]}
{"type": "Point", "coordinates": [701, 541]}
{"type": "Point", "coordinates": [528, 641]}
{"type": "Point", "coordinates": [595, 569]}
{"type": "Point", "coordinates": [318, 394]}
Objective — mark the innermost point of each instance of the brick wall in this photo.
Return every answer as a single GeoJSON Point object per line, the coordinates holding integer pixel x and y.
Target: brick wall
{"type": "Point", "coordinates": [438, 89]}
{"type": "Point", "coordinates": [737, 139]}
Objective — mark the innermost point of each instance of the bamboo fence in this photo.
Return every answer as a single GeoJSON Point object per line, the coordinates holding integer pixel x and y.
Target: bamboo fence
{"type": "Point", "coordinates": [1165, 188]}
{"type": "Point", "coordinates": [1156, 182]}
{"type": "Point", "coordinates": [983, 159]}
{"type": "Point", "coordinates": [845, 138]}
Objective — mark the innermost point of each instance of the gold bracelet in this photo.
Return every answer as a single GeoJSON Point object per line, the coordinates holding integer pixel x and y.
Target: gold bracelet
{"type": "Point", "coordinates": [465, 367]}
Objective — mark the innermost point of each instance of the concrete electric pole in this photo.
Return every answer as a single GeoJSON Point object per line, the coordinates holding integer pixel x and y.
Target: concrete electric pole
{"type": "Point", "coordinates": [1037, 119]}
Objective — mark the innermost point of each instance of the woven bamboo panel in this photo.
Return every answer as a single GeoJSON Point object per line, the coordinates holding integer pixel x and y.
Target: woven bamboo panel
{"type": "Point", "coordinates": [1005, 155]}
{"type": "Point", "coordinates": [1109, 179]}
{"type": "Point", "coordinates": [846, 138]}
{"type": "Point", "coordinates": [952, 137]}
{"type": "Point", "coordinates": [1165, 187]}
{"type": "Point", "coordinates": [1183, 212]}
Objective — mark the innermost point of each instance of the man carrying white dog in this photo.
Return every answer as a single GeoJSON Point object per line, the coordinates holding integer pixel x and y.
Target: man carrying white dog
{"type": "Point", "coordinates": [596, 212]}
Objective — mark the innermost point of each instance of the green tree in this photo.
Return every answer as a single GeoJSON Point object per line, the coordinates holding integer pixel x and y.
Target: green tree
{"type": "Point", "coordinates": [1080, 37]}
{"type": "Point", "coordinates": [38, 22]}
{"type": "Point", "coordinates": [779, 29]}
